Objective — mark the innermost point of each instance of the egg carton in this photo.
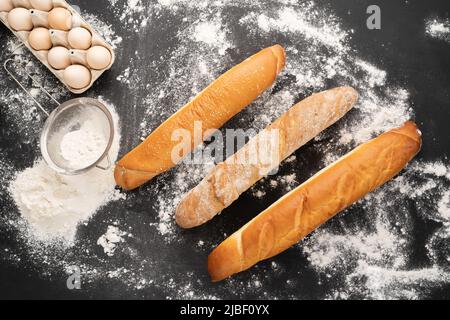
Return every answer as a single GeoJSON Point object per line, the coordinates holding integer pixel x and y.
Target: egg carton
{"type": "Point", "coordinates": [58, 38]}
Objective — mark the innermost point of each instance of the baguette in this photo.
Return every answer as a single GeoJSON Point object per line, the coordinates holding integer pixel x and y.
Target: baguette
{"type": "Point", "coordinates": [301, 211]}
{"type": "Point", "coordinates": [228, 180]}
{"type": "Point", "coordinates": [213, 107]}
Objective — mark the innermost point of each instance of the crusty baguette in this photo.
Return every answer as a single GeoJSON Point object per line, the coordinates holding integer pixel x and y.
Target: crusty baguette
{"type": "Point", "coordinates": [213, 107]}
{"type": "Point", "coordinates": [228, 180]}
{"type": "Point", "coordinates": [317, 200]}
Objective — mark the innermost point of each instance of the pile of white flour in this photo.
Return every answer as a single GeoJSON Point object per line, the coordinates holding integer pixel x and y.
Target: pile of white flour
{"type": "Point", "coordinates": [54, 204]}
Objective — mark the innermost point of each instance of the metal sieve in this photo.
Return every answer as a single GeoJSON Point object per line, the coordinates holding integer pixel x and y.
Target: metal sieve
{"type": "Point", "coordinates": [66, 118]}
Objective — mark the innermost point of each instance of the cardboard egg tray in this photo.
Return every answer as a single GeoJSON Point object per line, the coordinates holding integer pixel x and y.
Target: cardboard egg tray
{"type": "Point", "coordinates": [59, 38]}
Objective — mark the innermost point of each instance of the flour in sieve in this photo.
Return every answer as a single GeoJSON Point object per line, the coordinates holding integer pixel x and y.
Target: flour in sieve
{"type": "Point", "coordinates": [84, 147]}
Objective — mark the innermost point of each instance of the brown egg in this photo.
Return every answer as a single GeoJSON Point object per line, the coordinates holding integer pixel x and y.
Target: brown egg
{"type": "Point", "coordinates": [60, 19]}
{"type": "Point", "coordinates": [21, 4]}
{"type": "Point", "coordinates": [77, 76]}
{"type": "Point", "coordinates": [39, 39]}
{"type": "Point", "coordinates": [59, 58]}
{"type": "Point", "coordinates": [43, 5]}
{"type": "Point", "coordinates": [20, 19]}
{"type": "Point", "coordinates": [79, 38]}
{"type": "Point", "coordinates": [6, 6]}
{"type": "Point", "coordinates": [98, 57]}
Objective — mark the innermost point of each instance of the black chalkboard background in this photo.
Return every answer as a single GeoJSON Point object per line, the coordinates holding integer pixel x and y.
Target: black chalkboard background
{"type": "Point", "coordinates": [418, 63]}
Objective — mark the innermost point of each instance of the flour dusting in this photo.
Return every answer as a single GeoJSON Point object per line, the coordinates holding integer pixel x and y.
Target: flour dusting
{"type": "Point", "coordinates": [366, 252]}
{"type": "Point", "coordinates": [111, 239]}
{"type": "Point", "coordinates": [375, 257]}
{"type": "Point", "coordinates": [438, 28]}
{"type": "Point", "coordinates": [54, 204]}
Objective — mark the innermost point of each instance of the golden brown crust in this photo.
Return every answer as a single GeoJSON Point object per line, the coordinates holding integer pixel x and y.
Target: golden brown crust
{"type": "Point", "coordinates": [214, 106]}
{"type": "Point", "coordinates": [228, 180]}
{"type": "Point", "coordinates": [317, 200]}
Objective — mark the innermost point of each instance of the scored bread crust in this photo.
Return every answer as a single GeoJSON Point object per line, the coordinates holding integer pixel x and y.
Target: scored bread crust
{"type": "Point", "coordinates": [228, 180]}
{"type": "Point", "coordinates": [327, 193]}
{"type": "Point", "coordinates": [213, 107]}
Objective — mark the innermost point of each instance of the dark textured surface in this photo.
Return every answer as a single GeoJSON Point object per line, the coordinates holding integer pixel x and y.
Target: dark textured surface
{"type": "Point", "coordinates": [419, 64]}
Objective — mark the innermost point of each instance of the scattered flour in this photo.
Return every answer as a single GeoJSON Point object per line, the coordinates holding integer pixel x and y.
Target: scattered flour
{"type": "Point", "coordinates": [365, 254]}
{"type": "Point", "coordinates": [293, 21]}
{"type": "Point", "coordinates": [131, 13]}
{"type": "Point", "coordinates": [125, 76]}
{"type": "Point", "coordinates": [317, 53]}
{"type": "Point", "coordinates": [438, 28]}
{"type": "Point", "coordinates": [373, 255]}
{"type": "Point", "coordinates": [375, 76]}
{"type": "Point", "coordinates": [210, 33]}
{"type": "Point", "coordinates": [105, 30]}
{"type": "Point", "coordinates": [111, 239]}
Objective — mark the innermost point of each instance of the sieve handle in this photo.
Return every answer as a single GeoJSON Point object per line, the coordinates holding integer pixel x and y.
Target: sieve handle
{"type": "Point", "coordinates": [108, 165]}
{"type": "Point", "coordinates": [11, 74]}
